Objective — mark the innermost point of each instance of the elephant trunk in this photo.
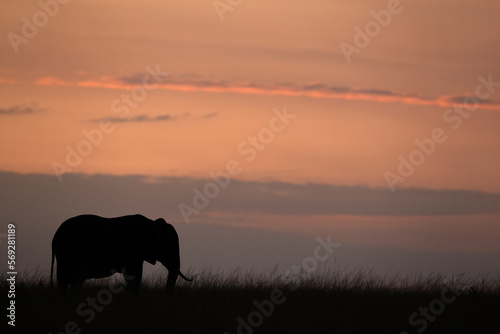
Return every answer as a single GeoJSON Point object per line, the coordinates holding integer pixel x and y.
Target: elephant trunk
{"type": "Point", "coordinates": [173, 265]}
{"type": "Point", "coordinates": [170, 256]}
{"type": "Point", "coordinates": [172, 278]}
{"type": "Point", "coordinates": [173, 273]}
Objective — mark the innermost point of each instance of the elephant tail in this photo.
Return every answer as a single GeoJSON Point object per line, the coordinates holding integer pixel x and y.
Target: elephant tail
{"type": "Point", "coordinates": [52, 270]}
{"type": "Point", "coordinates": [184, 277]}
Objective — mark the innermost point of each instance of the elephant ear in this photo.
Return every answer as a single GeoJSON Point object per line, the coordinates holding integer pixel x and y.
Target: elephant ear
{"type": "Point", "coordinates": [153, 249]}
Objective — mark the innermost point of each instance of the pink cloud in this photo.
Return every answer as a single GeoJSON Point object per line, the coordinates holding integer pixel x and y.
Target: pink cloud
{"type": "Point", "coordinates": [315, 90]}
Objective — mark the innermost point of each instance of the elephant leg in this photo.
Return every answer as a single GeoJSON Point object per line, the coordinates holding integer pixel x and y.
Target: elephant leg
{"type": "Point", "coordinates": [133, 276]}
{"type": "Point", "coordinates": [62, 278]}
{"type": "Point", "coordinates": [172, 278]}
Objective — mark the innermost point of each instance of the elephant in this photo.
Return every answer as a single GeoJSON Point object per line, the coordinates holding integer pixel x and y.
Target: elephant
{"type": "Point", "coordinates": [90, 246]}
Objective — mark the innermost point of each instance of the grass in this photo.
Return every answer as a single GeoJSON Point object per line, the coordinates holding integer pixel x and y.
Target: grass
{"type": "Point", "coordinates": [246, 302]}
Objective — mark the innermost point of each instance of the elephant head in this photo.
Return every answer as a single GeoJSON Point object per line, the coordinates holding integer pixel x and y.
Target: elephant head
{"type": "Point", "coordinates": [166, 251]}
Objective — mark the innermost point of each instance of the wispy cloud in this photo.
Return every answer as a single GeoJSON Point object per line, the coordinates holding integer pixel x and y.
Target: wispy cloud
{"type": "Point", "coordinates": [144, 118]}
{"type": "Point", "coordinates": [490, 6]}
{"type": "Point", "coordinates": [141, 118]}
{"type": "Point", "coordinates": [269, 198]}
{"type": "Point", "coordinates": [196, 83]}
{"type": "Point", "coordinates": [211, 114]}
{"type": "Point", "coordinates": [7, 81]}
{"type": "Point", "coordinates": [281, 198]}
{"type": "Point", "coordinates": [21, 109]}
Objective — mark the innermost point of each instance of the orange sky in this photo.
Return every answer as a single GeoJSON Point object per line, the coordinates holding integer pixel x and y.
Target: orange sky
{"type": "Point", "coordinates": [227, 79]}
{"type": "Point", "coordinates": [353, 120]}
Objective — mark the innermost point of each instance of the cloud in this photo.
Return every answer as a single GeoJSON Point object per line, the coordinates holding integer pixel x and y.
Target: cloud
{"type": "Point", "coordinates": [144, 118]}
{"type": "Point", "coordinates": [21, 109]}
{"type": "Point", "coordinates": [39, 213]}
{"type": "Point", "coordinates": [461, 99]}
{"type": "Point", "coordinates": [137, 119]}
{"type": "Point", "coordinates": [490, 6]}
{"type": "Point", "coordinates": [279, 198]}
{"type": "Point", "coordinates": [263, 198]}
{"type": "Point", "coordinates": [51, 81]}
{"type": "Point", "coordinates": [210, 115]}
{"type": "Point", "coordinates": [137, 79]}
{"type": "Point", "coordinates": [7, 81]}
{"type": "Point", "coordinates": [197, 83]}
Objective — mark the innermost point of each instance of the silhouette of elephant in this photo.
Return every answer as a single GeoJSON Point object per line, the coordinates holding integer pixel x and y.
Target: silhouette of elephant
{"type": "Point", "coordinates": [90, 246]}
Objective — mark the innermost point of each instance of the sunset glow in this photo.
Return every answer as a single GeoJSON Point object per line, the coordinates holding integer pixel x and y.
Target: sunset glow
{"type": "Point", "coordinates": [174, 92]}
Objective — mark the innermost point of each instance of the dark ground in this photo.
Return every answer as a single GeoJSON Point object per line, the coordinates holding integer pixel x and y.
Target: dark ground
{"type": "Point", "coordinates": [225, 305]}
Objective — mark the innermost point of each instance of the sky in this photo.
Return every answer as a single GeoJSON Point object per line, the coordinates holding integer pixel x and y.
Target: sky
{"type": "Point", "coordinates": [258, 124]}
